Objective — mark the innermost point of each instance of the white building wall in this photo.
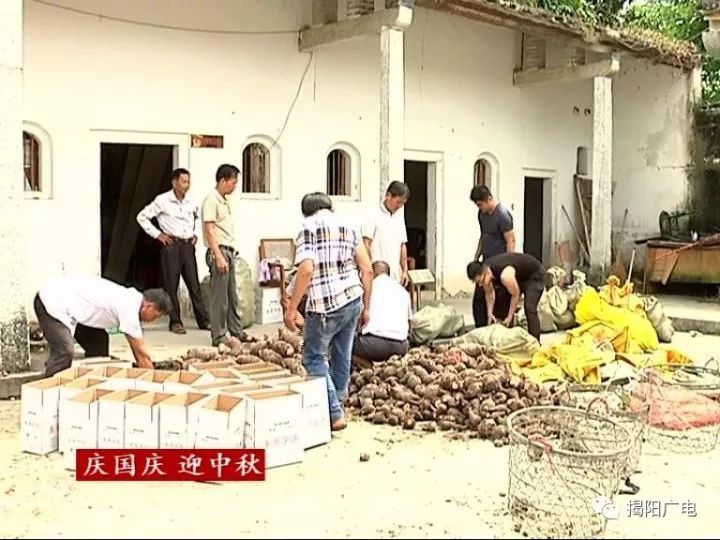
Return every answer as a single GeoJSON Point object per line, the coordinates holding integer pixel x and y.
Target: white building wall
{"type": "Point", "coordinates": [652, 147]}
{"type": "Point", "coordinates": [89, 80]}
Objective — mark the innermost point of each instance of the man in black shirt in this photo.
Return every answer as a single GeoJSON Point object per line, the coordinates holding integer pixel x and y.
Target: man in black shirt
{"type": "Point", "coordinates": [517, 273]}
{"type": "Point", "coordinates": [496, 237]}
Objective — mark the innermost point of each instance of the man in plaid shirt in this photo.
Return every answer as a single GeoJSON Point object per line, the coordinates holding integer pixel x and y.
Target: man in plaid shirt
{"type": "Point", "coordinates": [335, 271]}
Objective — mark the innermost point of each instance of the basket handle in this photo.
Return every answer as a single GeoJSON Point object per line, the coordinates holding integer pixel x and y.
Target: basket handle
{"type": "Point", "coordinates": [715, 361]}
{"type": "Point", "coordinates": [598, 400]}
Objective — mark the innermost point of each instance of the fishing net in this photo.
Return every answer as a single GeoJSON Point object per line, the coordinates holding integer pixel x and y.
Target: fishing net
{"type": "Point", "coordinates": [683, 417]}
{"type": "Point", "coordinates": [613, 401]}
{"type": "Point", "coordinates": [562, 462]}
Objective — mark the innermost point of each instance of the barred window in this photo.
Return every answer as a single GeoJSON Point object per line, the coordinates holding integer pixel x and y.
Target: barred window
{"type": "Point", "coordinates": [338, 173]}
{"type": "Point", "coordinates": [31, 151]}
{"type": "Point", "coordinates": [256, 169]}
{"type": "Point", "coordinates": [483, 173]}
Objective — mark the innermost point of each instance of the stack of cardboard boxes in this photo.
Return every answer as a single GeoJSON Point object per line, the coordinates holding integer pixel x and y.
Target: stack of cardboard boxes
{"type": "Point", "coordinates": [255, 406]}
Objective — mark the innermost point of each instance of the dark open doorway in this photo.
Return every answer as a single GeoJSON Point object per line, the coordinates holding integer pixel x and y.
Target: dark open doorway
{"type": "Point", "coordinates": [416, 211]}
{"type": "Point", "coordinates": [131, 176]}
{"type": "Point", "coordinates": [537, 218]}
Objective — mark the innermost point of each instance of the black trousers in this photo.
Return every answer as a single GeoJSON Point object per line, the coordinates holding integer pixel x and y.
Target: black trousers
{"type": "Point", "coordinates": [479, 305]}
{"type": "Point", "coordinates": [533, 290]}
{"type": "Point", "coordinates": [94, 341]}
{"type": "Point", "coordinates": [178, 259]}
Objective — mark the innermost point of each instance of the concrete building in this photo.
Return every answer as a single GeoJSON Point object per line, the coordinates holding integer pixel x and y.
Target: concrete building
{"type": "Point", "coordinates": [308, 95]}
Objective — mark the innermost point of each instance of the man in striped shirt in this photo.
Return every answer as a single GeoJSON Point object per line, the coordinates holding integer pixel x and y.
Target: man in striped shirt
{"type": "Point", "coordinates": [334, 270]}
{"type": "Point", "coordinates": [178, 218]}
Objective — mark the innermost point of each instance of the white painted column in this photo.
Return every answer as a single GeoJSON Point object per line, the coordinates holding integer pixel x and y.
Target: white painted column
{"type": "Point", "coordinates": [14, 347]}
{"type": "Point", "coordinates": [392, 107]}
{"type": "Point", "coordinates": [600, 252]}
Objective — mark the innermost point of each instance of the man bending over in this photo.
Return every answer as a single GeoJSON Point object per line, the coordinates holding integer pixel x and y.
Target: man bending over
{"type": "Point", "coordinates": [85, 307]}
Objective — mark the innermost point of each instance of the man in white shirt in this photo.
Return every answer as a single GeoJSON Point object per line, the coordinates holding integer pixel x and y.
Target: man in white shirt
{"type": "Point", "coordinates": [85, 307]}
{"type": "Point", "coordinates": [385, 233]}
{"type": "Point", "coordinates": [178, 217]}
{"type": "Point", "coordinates": [390, 313]}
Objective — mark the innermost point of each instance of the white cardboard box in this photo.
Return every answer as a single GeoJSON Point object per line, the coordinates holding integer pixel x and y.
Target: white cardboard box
{"type": "Point", "coordinates": [125, 379]}
{"type": "Point", "coordinates": [111, 418]}
{"type": "Point", "coordinates": [274, 422]}
{"type": "Point", "coordinates": [69, 390]}
{"type": "Point", "coordinates": [39, 416]}
{"type": "Point", "coordinates": [221, 423]}
{"type": "Point", "coordinates": [153, 380]}
{"type": "Point", "coordinates": [228, 373]}
{"type": "Point", "coordinates": [179, 419]}
{"type": "Point", "coordinates": [269, 374]}
{"type": "Point", "coordinates": [102, 362]}
{"type": "Point", "coordinates": [70, 374]}
{"type": "Point", "coordinates": [215, 386]}
{"type": "Point", "coordinates": [316, 412]}
{"type": "Point", "coordinates": [182, 381]}
{"type": "Point", "coordinates": [269, 306]}
{"type": "Point", "coordinates": [80, 422]}
{"type": "Point", "coordinates": [254, 366]}
{"type": "Point", "coordinates": [142, 420]}
{"type": "Point", "coordinates": [242, 389]}
{"type": "Point", "coordinates": [205, 366]}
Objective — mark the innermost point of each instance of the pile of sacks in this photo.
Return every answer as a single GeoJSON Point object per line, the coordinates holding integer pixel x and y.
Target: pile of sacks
{"type": "Point", "coordinates": [616, 337]}
{"type": "Point", "coordinates": [556, 309]}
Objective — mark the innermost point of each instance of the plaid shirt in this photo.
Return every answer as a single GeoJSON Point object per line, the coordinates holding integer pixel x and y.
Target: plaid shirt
{"type": "Point", "coordinates": [330, 243]}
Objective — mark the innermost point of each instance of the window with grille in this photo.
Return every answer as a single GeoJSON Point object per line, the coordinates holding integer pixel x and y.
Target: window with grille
{"type": "Point", "coordinates": [31, 153]}
{"type": "Point", "coordinates": [483, 173]}
{"type": "Point", "coordinates": [256, 169]}
{"type": "Point", "coordinates": [338, 173]}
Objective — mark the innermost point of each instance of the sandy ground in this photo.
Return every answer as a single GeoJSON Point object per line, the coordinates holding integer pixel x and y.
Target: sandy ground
{"type": "Point", "coordinates": [413, 485]}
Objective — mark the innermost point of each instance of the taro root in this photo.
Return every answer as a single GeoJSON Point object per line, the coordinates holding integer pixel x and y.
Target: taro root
{"type": "Point", "coordinates": [487, 405]}
{"type": "Point", "coordinates": [471, 349]}
{"type": "Point", "coordinates": [499, 397]}
{"type": "Point", "coordinates": [421, 372]}
{"type": "Point", "coordinates": [409, 423]}
{"type": "Point", "coordinates": [270, 356]}
{"type": "Point", "coordinates": [514, 404]}
{"type": "Point", "coordinates": [486, 364]}
{"type": "Point", "coordinates": [247, 359]}
{"type": "Point", "coordinates": [282, 348]}
{"type": "Point", "coordinates": [288, 337]}
{"type": "Point", "coordinates": [429, 427]}
{"type": "Point", "coordinates": [203, 354]}
{"type": "Point", "coordinates": [379, 418]}
{"type": "Point", "coordinates": [486, 427]}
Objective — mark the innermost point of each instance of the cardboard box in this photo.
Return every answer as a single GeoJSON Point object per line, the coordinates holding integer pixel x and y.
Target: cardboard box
{"type": "Point", "coordinates": [227, 374]}
{"type": "Point", "coordinates": [252, 366]}
{"type": "Point", "coordinates": [69, 390]}
{"type": "Point", "coordinates": [182, 381]}
{"type": "Point", "coordinates": [269, 306]}
{"type": "Point", "coordinates": [70, 374]}
{"type": "Point", "coordinates": [124, 379]}
{"type": "Point", "coordinates": [282, 380]}
{"type": "Point", "coordinates": [111, 418]}
{"type": "Point", "coordinates": [274, 422]}
{"type": "Point", "coordinates": [269, 374]}
{"type": "Point", "coordinates": [241, 389]}
{"type": "Point", "coordinates": [142, 420]}
{"type": "Point", "coordinates": [205, 366]}
{"type": "Point", "coordinates": [215, 386]}
{"type": "Point", "coordinates": [80, 423]}
{"type": "Point", "coordinates": [102, 362]}
{"type": "Point", "coordinates": [257, 367]}
{"type": "Point", "coordinates": [221, 423]}
{"type": "Point", "coordinates": [179, 419]}
{"type": "Point", "coordinates": [39, 416]}
{"type": "Point", "coordinates": [153, 380]}
{"type": "Point", "coordinates": [316, 411]}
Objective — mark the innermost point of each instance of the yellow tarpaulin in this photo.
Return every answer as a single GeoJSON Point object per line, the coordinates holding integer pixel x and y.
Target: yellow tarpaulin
{"type": "Point", "coordinates": [641, 334]}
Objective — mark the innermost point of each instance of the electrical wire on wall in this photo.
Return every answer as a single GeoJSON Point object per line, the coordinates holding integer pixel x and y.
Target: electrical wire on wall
{"type": "Point", "coordinates": [162, 26]}
{"type": "Point", "coordinates": [294, 101]}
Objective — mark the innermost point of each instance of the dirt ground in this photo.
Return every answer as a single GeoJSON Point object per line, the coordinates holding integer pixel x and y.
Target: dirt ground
{"type": "Point", "coordinates": [413, 485]}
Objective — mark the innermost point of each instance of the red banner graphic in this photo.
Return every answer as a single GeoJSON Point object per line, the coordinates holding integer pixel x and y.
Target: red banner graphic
{"type": "Point", "coordinates": [197, 465]}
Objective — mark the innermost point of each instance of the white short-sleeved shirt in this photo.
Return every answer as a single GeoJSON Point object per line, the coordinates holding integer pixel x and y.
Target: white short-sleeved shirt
{"type": "Point", "coordinates": [388, 233]}
{"type": "Point", "coordinates": [390, 309]}
{"type": "Point", "coordinates": [93, 301]}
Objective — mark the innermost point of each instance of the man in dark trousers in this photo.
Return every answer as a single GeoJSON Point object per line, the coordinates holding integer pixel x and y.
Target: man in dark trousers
{"type": "Point", "coordinates": [517, 273]}
{"type": "Point", "coordinates": [84, 308]}
{"type": "Point", "coordinates": [496, 237]}
{"type": "Point", "coordinates": [178, 218]}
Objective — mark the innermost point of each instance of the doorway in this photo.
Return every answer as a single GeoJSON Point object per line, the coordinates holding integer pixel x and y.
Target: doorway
{"type": "Point", "coordinates": [416, 212]}
{"type": "Point", "coordinates": [537, 230]}
{"type": "Point", "coordinates": [131, 176]}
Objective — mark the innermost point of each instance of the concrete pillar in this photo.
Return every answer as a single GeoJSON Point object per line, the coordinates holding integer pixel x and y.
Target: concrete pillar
{"type": "Point", "coordinates": [392, 107]}
{"type": "Point", "coordinates": [600, 249]}
{"type": "Point", "coordinates": [14, 344]}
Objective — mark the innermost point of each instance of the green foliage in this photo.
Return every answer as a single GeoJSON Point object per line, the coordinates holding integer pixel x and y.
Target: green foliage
{"type": "Point", "coordinates": [676, 19]}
